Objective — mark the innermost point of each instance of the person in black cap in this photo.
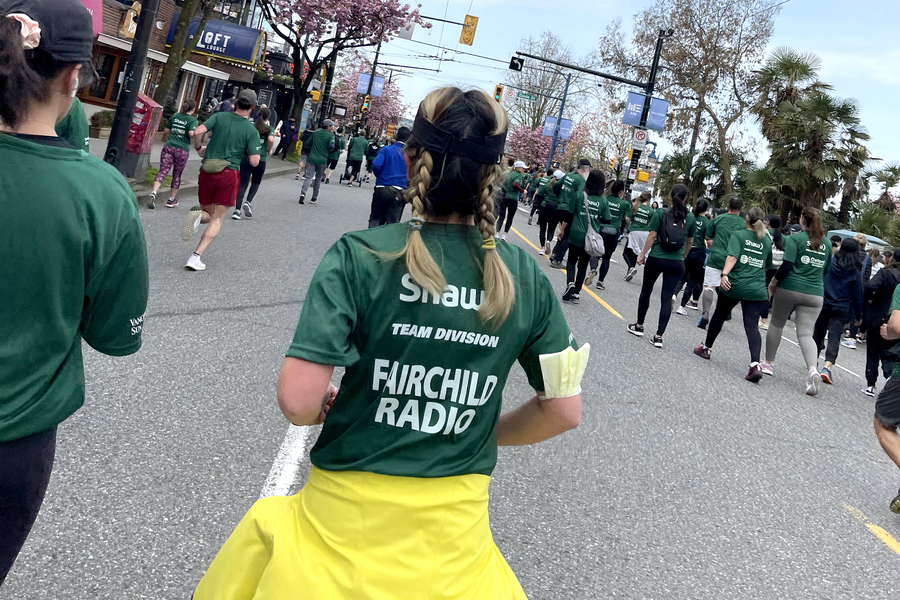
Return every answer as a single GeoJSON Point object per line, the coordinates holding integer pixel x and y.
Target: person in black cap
{"type": "Point", "coordinates": [403, 475]}
{"type": "Point", "coordinates": [74, 259]}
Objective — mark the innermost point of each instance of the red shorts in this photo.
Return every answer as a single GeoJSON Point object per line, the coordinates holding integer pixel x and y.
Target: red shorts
{"type": "Point", "coordinates": [218, 188]}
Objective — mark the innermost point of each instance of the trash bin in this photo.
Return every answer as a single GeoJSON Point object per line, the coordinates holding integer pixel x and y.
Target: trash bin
{"type": "Point", "coordinates": [141, 137]}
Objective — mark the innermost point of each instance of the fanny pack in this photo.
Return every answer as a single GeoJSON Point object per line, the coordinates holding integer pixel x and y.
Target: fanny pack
{"type": "Point", "coordinates": [608, 230]}
{"type": "Point", "coordinates": [214, 165]}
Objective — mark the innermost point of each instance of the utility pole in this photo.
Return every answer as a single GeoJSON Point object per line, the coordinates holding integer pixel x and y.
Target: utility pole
{"type": "Point", "coordinates": [131, 82]}
{"type": "Point", "coordinates": [365, 117]}
{"type": "Point", "coordinates": [562, 105]}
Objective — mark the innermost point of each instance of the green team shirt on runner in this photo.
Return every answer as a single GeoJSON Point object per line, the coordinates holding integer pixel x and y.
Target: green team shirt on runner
{"type": "Point", "coordinates": [180, 126]}
{"type": "Point", "coordinates": [263, 143]}
{"type": "Point", "coordinates": [809, 265]}
{"type": "Point", "coordinates": [572, 188]}
{"type": "Point", "coordinates": [318, 143]}
{"type": "Point", "coordinates": [82, 277]}
{"type": "Point", "coordinates": [719, 230]}
{"type": "Point", "coordinates": [232, 137]}
{"type": "Point", "coordinates": [74, 127]}
{"type": "Point", "coordinates": [754, 256]}
{"type": "Point", "coordinates": [690, 225]}
{"type": "Point", "coordinates": [546, 192]}
{"type": "Point", "coordinates": [357, 148]}
{"type": "Point", "coordinates": [424, 378]}
{"type": "Point", "coordinates": [640, 221]}
{"type": "Point", "coordinates": [512, 177]}
{"type": "Point", "coordinates": [619, 208]}
{"type": "Point", "coordinates": [598, 209]}
{"type": "Point", "coordinates": [700, 233]}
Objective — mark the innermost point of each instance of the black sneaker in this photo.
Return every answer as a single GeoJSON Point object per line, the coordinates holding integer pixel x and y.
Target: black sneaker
{"type": "Point", "coordinates": [302, 198]}
{"type": "Point", "coordinates": [636, 329]}
{"type": "Point", "coordinates": [600, 286]}
{"type": "Point", "coordinates": [895, 504]}
{"type": "Point", "coordinates": [656, 340]}
{"type": "Point", "coordinates": [529, 220]}
{"type": "Point", "coordinates": [569, 294]}
{"type": "Point", "coordinates": [171, 202]}
{"type": "Point", "coordinates": [556, 264]}
{"type": "Point", "coordinates": [630, 274]}
{"type": "Point", "coordinates": [313, 201]}
{"type": "Point", "coordinates": [248, 212]}
{"type": "Point", "coordinates": [704, 320]}
{"type": "Point", "coordinates": [327, 180]}
{"type": "Point", "coordinates": [869, 391]}
{"type": "Point", "coordinates": [236, 216]}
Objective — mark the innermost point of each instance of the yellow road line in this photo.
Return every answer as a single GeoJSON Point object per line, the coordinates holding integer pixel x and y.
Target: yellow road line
{"type": "Point", "coordinates": [592, 294]}
{"type": "Point", "coordinates": [877, 531]}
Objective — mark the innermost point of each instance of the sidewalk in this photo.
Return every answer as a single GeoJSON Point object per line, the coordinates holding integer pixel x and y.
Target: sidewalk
{"type": "Point", "coordinates": [275, 167]}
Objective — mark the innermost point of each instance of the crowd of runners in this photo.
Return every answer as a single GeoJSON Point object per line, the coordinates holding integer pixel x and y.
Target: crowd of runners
{"type": "Point", "coordinates": [396, 503]}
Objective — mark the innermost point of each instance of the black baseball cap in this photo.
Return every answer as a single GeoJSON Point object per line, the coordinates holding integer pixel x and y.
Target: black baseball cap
{"type": "Point", "coordinates": [67, 30]}
{"type": "Point", "coordinates": [584, 163]}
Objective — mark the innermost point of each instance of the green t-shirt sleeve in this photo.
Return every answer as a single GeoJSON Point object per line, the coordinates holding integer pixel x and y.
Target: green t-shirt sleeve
{"type": "Point", "coordinates": [549, 333]}
{"type": "Point", "coordinates": [790, 250]}
{"type": "Point", "coordinates": [895, 299]}
{"type": "Point", "coordinates": [735, 244]}
{"type": "Point", "coordinates": [655, 221]}
{"type": "Point", "coordinates": [194, 124]}
{"type": "Point", "coordinates": [605, 214]}
{"type": "Point", "coordinates": [212, 121]}
{"type": "Point", "coordinates": [116, 297]}
{"type": "Point", "coordinates": [710, 232]}
{"type": "Point", "coordinates": [331, 311]}
{"type": "Point", "coordinates": [253, 142]}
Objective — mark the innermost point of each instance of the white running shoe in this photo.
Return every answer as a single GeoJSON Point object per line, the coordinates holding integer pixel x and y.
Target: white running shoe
{"type": "Point", "coordinates": [849, 343]}
{"type": "Point", "coordinates": [590, 277]}
{"type": "Point", "coordinates": [767, 368]}
{"type": "Point", "coordinates": [503, 238]}
{"type": "Point", "coordinates": [547, 247]}
{"type": "Point", "coordinates": [813, 381]}
{"type": "Point", "coordinates": [191, 223]}
{"type": "Point", "coordinates": [541, 252]}
{"type": "Point", "coordinates": [680, 311]}
{"type": "Point", "coordinates": [195, 264]}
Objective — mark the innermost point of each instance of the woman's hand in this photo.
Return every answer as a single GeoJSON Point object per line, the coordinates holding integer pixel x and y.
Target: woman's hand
{"type": "Point", "coordinates": [725, 283]}
{"type": "Point", "coordinates": [772, 286]}
{"type": "Point", "coordinates": [641, 259]}
{"type": "Point", "coordinates": [201, 151]}
{"type": "Point", "coordinates": [327, 403]}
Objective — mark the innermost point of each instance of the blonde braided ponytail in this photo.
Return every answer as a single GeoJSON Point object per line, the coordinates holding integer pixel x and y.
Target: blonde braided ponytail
{"type": "Point", "coordinates": [499, 288]}
{"type": "Point", "coordinates": [419, 262]}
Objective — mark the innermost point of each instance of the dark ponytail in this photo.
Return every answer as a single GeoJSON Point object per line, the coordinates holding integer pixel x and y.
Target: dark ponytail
{"type": "Point", "coordinates": [777, 236]}
{"type": "Point", "coordinates": [19, 83]}
{"type": "Point", "coordinates": [701, 207]}
{"type": "Point", "coordinates": [814, 228]}
{"type": "Point", "coordinates": [680, 193]}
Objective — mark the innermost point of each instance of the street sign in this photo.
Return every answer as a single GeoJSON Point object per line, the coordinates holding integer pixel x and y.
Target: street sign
{"type": "Point", "coordinates": [467, 36]}
{"type": "Point", "coordinates": [639, 139]}
{"type": "Point", "coordinates": [632, 174]}
{"type": "Point", "coordinates": [407, 32]}
{"type": "Point", "coordinates": [524, 96]}
{"type": "Point", "coordinates": [516, 63]}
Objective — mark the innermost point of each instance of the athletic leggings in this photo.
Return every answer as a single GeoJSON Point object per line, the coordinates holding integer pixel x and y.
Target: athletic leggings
{"type": "Point", "coordinates": [535, 203]}
{"type": "Point", "coordinates": [630, 257]}
{"type": "Point", "coordinates": [693, 275]}
{"type": "Point", "coordinates": [548, 221]}
{"type": "Point", "coordinates": [507, 209]}
{"type": "Point", "coordinates": [878, 350]}
{"type": "Point", "coordinates": [831, 320]}
{"type": "Point", "coordinates": [252, 176]}
{"type": "Point", "coordinates": [609, 246]}
{"type": "Point", "coordinates": [576, 266]}
{"type": "Point", "coordinates": [752, 309]}
{"type": "Point", "coordinates": [671, 271]}
{"type": "Point", "coordinates": [806, 309]}
{"type": "Point", "coordinates": [25, 466]}
{"type": "Point", "coordinates": [175, 159]}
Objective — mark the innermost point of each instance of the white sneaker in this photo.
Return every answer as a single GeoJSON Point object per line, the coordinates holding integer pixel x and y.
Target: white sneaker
{"type": "Point", "coordinates": [503, 238]}
{"type": "Point", "coordinates": [191, 223]}
{"type": "Point", "coordinates": [849, 343]}
{"type": "Point", "coordinates": [236, 216]}
{"type": "Point", "coordinates": [547, 247]}
{"type": "Point", "coordinates": [541, 252]}
{"type": "Point", "coordinates": [767, 368]}
{"type": "Point", "coordinates": [195, 264]}
{"type": "Point", "coordinates": [297, 177]}
{"type": "Point", "coordinates": [763, 324]}
{"type": "Point", "coordinates": [590, 277]}
{"type": "Point", "coordinates": [813, 381]}
{"type": "Point", "coordinates": [680, 311]}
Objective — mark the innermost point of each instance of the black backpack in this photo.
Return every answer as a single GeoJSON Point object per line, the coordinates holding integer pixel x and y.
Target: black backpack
{"type": "Point", "coordinates": [671, 234]}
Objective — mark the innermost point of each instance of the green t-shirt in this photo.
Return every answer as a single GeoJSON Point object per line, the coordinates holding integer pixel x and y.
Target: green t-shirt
{"type": "Point", "coordinates": [512, 177]}
{"type": "Point", "coordinates": [263, 143]}
{"type": "Point", "coordinates": [700, 234]}
{"type": "Point", "coordinates": [895, 305]}
{"type": "Point", "coordinates": [545, 191]}
{"type": "Point", "coordinates": [536, 181]}
{"type": "Point", "coordinates": [690, 225]}
{"type": "Point", "coordinates": [180, 125]}
{"type": "Point", "coordinates": [424, 377]}
{"type": "Point", "coordinates": [640, 221]}
{"type": "Point", "coordinates": [73, 268]}
{"type": "Point", "coordinates": [74, 127]}
{"type": "Point", "coordinates": [597, 208]}
{"type": "Point", "coordinates": [809, 265]}
{"type": "Point", "coordinates": [357, 148]}
{"type": "Point", "coordinates": [572, 189]}
{"type": "Point", "coordinates": [754, 256]}
{"type": "Point", "coordinates": [719, 230]}
{"type": "Point", "coordinates": [339, 145]}
{"type": "Point", "coordinates": [233, 136]}
{"type": "Point", "coordinates": [318, 146]}
{"type": "Point", "coordinates": [619, 209]}
{"type": "Point", "coordinates": [539, 182]}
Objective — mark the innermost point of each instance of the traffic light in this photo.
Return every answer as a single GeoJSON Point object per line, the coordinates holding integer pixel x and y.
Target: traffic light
{"type": "Point", "coordinates": [365, 104]}
{"type": "Point", "coordinates": [612, 164]}
{"type": "Point", "coordinates": [498, 92]}
{"type": "Point", "coordinates": [468, 31]}
{"type": "Point", "coordinates": [315, 95]}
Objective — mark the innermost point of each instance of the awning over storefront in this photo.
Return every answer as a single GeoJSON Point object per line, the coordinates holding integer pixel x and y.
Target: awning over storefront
{"type": "Point", "coordinates": [226, 41]}
{"type": "Point", "coordinates": [202, 70]}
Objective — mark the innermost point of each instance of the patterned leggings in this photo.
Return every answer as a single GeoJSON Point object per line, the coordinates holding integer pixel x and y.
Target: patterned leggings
{"type": "Point", "coordinates": [172, 156]}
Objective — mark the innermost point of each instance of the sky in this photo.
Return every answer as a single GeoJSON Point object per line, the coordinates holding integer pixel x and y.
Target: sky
{"type": "Point", "coordinates": [857, 43]}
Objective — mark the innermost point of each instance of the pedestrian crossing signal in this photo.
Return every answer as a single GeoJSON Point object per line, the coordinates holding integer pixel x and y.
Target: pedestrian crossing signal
{"type": "Point", "coordinates": [498, 92]}
{"type": "Point", "coordinates": [365, 104]}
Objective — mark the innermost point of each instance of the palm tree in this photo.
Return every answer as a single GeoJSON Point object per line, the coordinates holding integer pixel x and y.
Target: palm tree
{"type": "Point", "coordinates": [679, 167]}
{"type": "Point", "coordinates": [889, 177]}
{"type": "Point", "coordinates": [856, 181]}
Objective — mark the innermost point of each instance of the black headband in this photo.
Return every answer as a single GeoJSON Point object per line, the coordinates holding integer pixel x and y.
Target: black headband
{"type": "Point", "coordinates": [435, 139]}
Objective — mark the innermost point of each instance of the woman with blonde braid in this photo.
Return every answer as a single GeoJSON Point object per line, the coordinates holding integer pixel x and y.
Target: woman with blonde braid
{"type": "Point", "coordinates": [396, 504]}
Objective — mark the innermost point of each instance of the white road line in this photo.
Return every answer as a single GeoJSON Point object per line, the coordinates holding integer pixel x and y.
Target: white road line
{"type": "Point", "coordinates": [837, 365]}
{"type": "Point", "coordinates": [286, 467]}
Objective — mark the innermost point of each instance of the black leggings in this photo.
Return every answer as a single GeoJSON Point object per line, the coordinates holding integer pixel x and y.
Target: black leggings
{"type": "Point", "coordinates": [752, 310]}
{"type": "Point", "coordinates": [547, 223]}
{"type": "Point", "coordinates": [629, 256]}
{"type": "Point", "coordinates": [693, 274]}
{"type": "Point", "coordinates": [671, 271]}
{"type": "Point", "coordinates": [251, 175]}
{"type": "Point", "coordinates": [25, 466]}
{"type": "Point", "coordinates": [878, 350]}
{"type": "Point", "coordinates": [576, 266]}
{"type": "Point", "coordinates": [507, 209]}
{"type": "Point", "coordinates": [609, 246]}
{"type": "Point", "coordinates": [535, 203]}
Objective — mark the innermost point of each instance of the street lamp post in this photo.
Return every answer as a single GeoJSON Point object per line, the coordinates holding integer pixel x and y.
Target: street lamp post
{"type": "Point", "coordinates": [562, 105]}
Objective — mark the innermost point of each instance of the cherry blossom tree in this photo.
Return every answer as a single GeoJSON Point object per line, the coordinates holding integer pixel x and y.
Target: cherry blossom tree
{"type": "Point", "coordinates": [532, 146]}
{"type": "Point", "coordinates": [318, 30]}
{"type": "Point", "coordinates": [388, 108]}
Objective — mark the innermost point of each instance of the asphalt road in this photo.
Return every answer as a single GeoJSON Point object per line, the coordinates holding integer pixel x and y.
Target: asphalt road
{"type": "Point", "coordinates": [683, 480]}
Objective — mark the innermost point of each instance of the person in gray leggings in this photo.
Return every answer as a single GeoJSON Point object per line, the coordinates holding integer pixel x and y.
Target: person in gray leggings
{"type": "Point", "coordinates": [798, 288]}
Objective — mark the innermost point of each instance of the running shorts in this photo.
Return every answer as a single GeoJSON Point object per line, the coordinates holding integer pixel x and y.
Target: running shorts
{"type": "Point", "coordinates": [218, 188]}
{"type": "Point", "coordinates": [887, 406]}
{"type": "Point", "coordinates": [332, 163]}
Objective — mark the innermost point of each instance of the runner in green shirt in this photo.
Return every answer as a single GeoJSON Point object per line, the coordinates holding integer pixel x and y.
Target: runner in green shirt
{"type": "Point", "coordinates": [536, 184]}
{"type": "Point", "coordinates": [670, 239]}
{"type": "Point", "coordinates": [570, 189]}
{"type": "Point", "coordinates": [74, 127]}
{"type": "Point", "coordinates": [548, 217]}
{"type": "Point", "coordinates": [355, 156]}
{"type": "Point", "coordinates": [73, 263]}
{"type": "Point", "coordinates": [610, 229]}
{"type": "Point", "coordinates": [175, 153]}
{"type": "Point", "coordinates": [411, 437]}
{"type": "Point", "coordinates": [718, 232]}
{"type": "Point", "coordinates": [513, 186]}
{"type": "Point", "coordinates": [693, 263]}
{"type": "Point", "coordinates": [744, 283]}
{"type": "Point", "coordinates": [641, 213]}
{"type": "Point", "coordinates": [887, 406]}
{"type": "Point", "coordinates": [321, 143]}
{"type": "Point", "coordinates": [333, 156]}
{"type": "Point", "coordinates": [797, 289]}
{"type": "Point", "coordinates": [590, 210]}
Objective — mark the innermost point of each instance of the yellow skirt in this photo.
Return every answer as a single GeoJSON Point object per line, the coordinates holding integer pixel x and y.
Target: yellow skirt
{"type": "Point", "coordinates": [364, 536]}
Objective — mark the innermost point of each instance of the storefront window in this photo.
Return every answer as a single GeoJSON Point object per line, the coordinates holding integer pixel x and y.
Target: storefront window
{"type": "Point", "coordinates": [110, 66]}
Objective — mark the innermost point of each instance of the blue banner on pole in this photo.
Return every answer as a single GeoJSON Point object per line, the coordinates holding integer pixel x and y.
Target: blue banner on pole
{"type": "Point", "coordinates": [656, 120]}
{"type": "Point", "coordinates": [549, 126]}
{"type": "Point", "coordinates": [363, 85]}
{"type": "Point", "coordinates": [565, 127]}
{"type": "Point", "coordinates": [633, 107]}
